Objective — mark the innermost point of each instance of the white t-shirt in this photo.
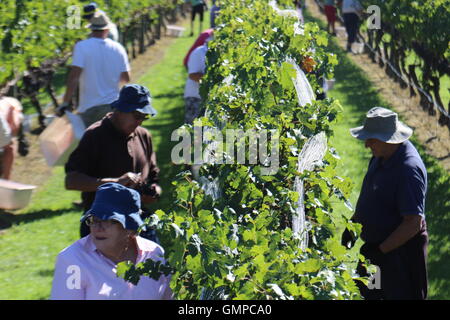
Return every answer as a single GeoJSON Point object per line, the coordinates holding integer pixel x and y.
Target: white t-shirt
{"type": "Point", "coordinates": [102, 61]}
{"type": "Point", "coordinates": [196, 64]}
{"type": "Point", "coordinates": [351, 6]}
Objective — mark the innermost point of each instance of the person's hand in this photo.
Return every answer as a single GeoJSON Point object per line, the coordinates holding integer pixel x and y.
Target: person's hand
{"type": "Point", "coordinates": [154, 196]}
{"type": "Point", "coordinates": [129, 179]}
{"type": "Point", "coordinates": [372, 252]}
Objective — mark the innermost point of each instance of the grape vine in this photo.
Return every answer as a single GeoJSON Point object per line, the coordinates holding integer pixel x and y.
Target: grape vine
{"type": "Point", "coordinates": [241, 245]}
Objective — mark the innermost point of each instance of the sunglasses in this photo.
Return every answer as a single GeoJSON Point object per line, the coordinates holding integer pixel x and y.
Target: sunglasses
{"type": "Point", "coordinates": [105, 224]}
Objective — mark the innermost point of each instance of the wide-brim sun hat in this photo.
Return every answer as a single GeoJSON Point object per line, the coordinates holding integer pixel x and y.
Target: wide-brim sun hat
{"type": "Point", "coordinates": [99, 21]}
{"type": "Point", "coordinates": [382, 124]}
{"type": "Point", "coordinates": [114, 201]}
{"type": "Point", "coordinates": [134, 97]}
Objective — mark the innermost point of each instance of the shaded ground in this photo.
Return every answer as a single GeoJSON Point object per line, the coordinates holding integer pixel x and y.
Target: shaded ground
{"type": "Point", "coordinates": [434, 138]}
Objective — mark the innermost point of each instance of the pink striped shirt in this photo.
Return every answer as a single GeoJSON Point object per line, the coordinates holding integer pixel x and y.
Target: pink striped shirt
{"type": "Point", "coordinates": [83, 273]}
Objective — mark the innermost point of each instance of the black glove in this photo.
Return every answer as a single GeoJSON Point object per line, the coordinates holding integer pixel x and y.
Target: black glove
{"type": "Point", "coordinates": [372, 252]}
{"type": "Point", "coordinates": [24, 146]}
{"type": "Point", "coordinates": [61, 110]}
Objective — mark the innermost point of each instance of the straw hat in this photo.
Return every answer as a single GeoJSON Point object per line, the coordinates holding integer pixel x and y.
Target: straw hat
{"type": "Point", "coordinates": [99, 21]}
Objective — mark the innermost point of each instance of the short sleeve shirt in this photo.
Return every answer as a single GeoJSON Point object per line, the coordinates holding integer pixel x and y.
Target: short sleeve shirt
{"type": "Point", "coordinates": [390, 191]}
{"type": "Point", "coordinates": [196, 64]}
{"type": "Point", "coordinates": [104, 152]}
{"type": "Point", "coordinates": [102, 61]}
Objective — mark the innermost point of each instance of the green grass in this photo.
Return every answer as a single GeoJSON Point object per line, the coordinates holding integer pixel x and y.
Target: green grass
{"type": "Point", "coordinates": [357, 95]}
{"type": "Point", "coordinates": [37, 234]}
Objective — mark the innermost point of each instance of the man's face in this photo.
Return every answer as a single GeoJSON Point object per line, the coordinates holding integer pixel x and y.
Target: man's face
{"type": "Point", "coordinates": [377, 147]}
{"type": "Point", "coordinates": [127, 122]}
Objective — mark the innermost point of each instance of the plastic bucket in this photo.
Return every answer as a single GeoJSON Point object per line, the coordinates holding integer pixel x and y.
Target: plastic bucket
{"type": "Point", "coordinates": [14, 195]}
{"type": "Point", "coordinates": [174, 31]}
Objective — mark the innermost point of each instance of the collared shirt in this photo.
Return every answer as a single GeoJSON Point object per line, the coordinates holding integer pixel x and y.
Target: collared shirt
{"type": "Point", "coordinates": [104, 152]}
{"type": "Point", "coordinates": [83, 273]}
{"type": "Point", "coordinates": [390, 191]}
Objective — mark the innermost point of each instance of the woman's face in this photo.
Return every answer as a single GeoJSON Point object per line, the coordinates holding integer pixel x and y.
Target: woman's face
{"type": "Point", "coordinates": [109, 235]}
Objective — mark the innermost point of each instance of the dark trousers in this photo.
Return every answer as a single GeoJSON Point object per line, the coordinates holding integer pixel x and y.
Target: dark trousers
{"type": "Point", "coordinates": [403, 272]}
{"type": "Point", "coordinates": [351, 22]}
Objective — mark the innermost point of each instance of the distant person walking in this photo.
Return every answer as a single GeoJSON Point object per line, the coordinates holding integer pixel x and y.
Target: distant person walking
{"type": "Point", "coordinates": [351, 10]}
{"type": "Point", "coordinates": [99, 67]}
{"type": "Point", "coordinates": [198, 8]}
{"type": "Point", "coordinates": [215, 8]}
{"type": "Point", "coordinates": [330, 12]}
{"type": "Point", "coordinates": [391, 208]}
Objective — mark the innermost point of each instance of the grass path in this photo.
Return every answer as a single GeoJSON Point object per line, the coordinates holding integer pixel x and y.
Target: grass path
{"type": "Point", "coordinates": [51, 223]}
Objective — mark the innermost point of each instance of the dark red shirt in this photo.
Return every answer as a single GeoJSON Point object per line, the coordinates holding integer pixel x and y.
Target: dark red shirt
{"type": "Point", "coordinates": [105, 152]}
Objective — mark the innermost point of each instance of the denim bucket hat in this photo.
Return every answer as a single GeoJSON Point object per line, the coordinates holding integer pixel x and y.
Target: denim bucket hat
{"type": "Point", "coordinates": [114, 201]}
{"type": "Point", "coordinates": [382, 124]}
{"type": "Point", "coordinates": [134, 97]}
{"type": "Point", "coordinates": [89, 10]}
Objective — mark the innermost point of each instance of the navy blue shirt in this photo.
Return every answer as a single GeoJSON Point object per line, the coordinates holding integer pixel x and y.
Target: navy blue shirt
{"type": "Point", "coordinates": [391, 190]}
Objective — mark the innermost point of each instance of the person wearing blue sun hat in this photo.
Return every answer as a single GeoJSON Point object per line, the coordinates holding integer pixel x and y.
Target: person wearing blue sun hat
{"type": "Point", "coordinates": [117, 149]}
{"type": "Point", "coordinates": [115, 222]}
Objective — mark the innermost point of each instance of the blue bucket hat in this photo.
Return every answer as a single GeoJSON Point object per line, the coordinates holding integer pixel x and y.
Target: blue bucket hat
{"type": "Point", "coordinates": [134, 97]}
{"type": "Point", "coordinates": [114, 201]}
{"type": "Point", "coordinates": [89, 10]}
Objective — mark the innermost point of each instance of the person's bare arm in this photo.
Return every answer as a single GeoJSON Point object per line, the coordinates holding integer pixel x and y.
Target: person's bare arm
{"type": "Point", "coordinates": [125, 77]}
{"type": "Point", "coordinates": [82, 182]}
{"type": "Point", "coordinates": [196, 76]}
{"type": "Point", "coordinates": [409, 227]}
{"type": "Point", "coordinates": [72, 83]}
